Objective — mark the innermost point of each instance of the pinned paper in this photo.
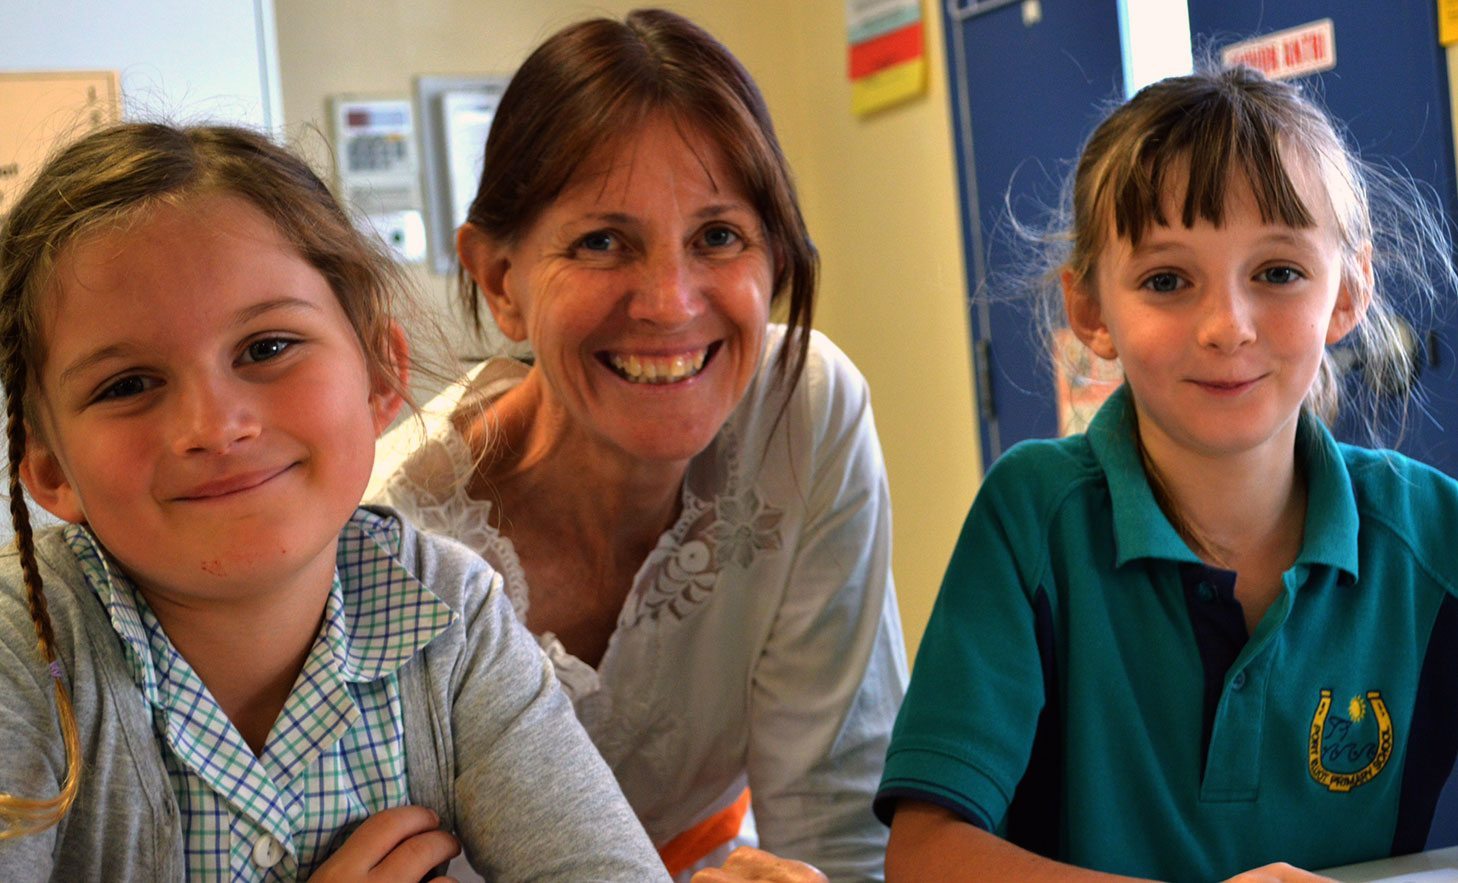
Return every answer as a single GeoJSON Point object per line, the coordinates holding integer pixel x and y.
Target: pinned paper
{"type": "Point", "coordinates": [1447, 22]}
{"type": "Point", "coordinates": [887, 58]}
{"type": "Point", "coordinates": [1306, 49]}
{"type": "Point", "coordinates": [41, 111]}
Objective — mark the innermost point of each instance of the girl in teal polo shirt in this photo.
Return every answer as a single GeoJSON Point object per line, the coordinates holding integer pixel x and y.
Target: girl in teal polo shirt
{"type": "Point", "coordinates": [1202, 637]}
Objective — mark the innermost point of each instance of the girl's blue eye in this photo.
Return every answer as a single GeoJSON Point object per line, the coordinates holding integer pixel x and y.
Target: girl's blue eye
{"type": "Point", "coordinates": [1280, 275]}
{"type": "Point", "coordinates": [266, 348]}
{"type": "Point", "coordinates": [598, 241]}
{"type": "Point", "coordinates": [1163, 282]}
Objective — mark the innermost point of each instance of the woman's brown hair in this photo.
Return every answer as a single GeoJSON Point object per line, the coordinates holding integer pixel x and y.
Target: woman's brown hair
{"type": "Point", "coordinates": [595, 83]}
{"type": "Point", "coordinates": [111, 177]}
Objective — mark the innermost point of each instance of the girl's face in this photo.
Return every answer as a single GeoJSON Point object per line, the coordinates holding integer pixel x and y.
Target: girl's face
{"type": "Point", "coordinates": [1220, 330]}
{"type": "Point", "coordinates": [205, 405]}
{"type": "Point", "coordinates": [644, 290]}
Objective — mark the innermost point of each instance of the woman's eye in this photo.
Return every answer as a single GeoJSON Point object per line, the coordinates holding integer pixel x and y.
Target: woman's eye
{"type": "Point", "coordinates": [719, 237]}
{"type": "Point", "coordinates": [265, 349]}
{"type": "Point", "coordinates": [1164, 282]}
{"type": "Point", "coordinates": [599, 240]}
{"type": "Point", "coordinates": [1280, 275]}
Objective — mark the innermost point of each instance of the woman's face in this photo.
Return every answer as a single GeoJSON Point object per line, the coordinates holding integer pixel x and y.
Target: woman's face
{"type": "Point", "coordinates": [644, 291]}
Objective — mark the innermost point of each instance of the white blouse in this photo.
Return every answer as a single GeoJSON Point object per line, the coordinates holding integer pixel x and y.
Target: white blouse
{"type": "Point", "coordinates": [760, 644]}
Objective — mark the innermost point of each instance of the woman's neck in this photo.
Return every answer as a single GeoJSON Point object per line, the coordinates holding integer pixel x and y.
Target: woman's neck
{"type": "Point", "coordinates": [582, 515]}
{"type": "Point", "coordinates": [538, 466]}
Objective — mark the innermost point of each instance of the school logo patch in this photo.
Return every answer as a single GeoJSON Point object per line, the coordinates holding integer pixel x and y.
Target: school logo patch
{"type": "Point", "coordinates": [1348, 750]}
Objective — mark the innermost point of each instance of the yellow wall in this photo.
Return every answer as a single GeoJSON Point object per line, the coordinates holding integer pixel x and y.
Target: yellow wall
{"type": "Point", "coordinates": [879, 194]}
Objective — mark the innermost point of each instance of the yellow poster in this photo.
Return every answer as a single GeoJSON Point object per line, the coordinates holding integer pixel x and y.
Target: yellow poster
{"type": "Point", "coordinates": [887, 58]}
{"type": "Point", "coordinates": [888, 86]}
{"type": "Point", "coordinates": [1447, 22]}
{"type": "Point", "coordinates": [43, 110]}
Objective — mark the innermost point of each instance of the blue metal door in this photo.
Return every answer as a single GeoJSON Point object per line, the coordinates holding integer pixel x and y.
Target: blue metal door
{"type": "Point", "coordinates": [1025, 96]}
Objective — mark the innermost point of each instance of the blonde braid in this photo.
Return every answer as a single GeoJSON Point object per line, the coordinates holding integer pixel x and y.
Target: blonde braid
{"type": "Point", "coordinates": [19, 815]}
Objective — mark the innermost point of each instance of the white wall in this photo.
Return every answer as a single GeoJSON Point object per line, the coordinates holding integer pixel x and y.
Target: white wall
{"type": "Point", "coordinates": [179, 59]}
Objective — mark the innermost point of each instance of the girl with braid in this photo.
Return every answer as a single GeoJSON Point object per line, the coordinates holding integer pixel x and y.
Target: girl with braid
{"type": "Point", "coordinates": [222, 667]}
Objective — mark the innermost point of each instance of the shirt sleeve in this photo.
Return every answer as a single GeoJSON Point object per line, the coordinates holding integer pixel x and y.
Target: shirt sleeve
{"type": "Point", "coordinates": [533, 799]}
{"type": "Point", "coordinates": [825, 690]}
{"type": "Point", "coordinates": [965, 733]}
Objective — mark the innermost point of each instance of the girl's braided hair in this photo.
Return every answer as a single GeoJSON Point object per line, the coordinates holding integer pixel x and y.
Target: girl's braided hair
{"type": "Point", "coordinates": [111, 177]}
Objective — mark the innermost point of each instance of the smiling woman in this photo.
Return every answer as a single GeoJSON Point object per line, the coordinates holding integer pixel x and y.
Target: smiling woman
{"type": "Point", "coordinates": [687, 501]}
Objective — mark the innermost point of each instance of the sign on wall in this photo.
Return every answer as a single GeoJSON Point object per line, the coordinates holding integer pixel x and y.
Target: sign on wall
{"type": "Point", "coordinates": [374, 144]}
{"type": "Point", "coordinates": [887, 62]}
{"type": "Point", "coordinates": [1294, 52]}
{"type": "Point", "coordinates": [42, 111]}
{"type": "Point", "coordinates": [456, 114]}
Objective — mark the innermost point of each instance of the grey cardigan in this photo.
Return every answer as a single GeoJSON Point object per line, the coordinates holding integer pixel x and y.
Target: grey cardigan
{"type": "Point", "coordinates": [492, 744]}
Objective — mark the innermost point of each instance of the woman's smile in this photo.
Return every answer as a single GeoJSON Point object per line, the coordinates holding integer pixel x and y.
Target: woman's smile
{"type": "Point", "coordinates": [659, 369]}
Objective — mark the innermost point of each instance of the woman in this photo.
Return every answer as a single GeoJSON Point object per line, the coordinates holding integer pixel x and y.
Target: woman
{"type": "Point", "coordinates": [687, 502]}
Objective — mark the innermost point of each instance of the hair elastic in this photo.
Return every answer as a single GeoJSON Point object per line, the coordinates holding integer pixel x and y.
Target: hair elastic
{"type": "Point", "coordinates": [55, 668]}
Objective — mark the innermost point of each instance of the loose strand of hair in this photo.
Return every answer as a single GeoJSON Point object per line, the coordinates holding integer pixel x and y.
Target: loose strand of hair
{"type": "Point", "coordinates": [21, 815]}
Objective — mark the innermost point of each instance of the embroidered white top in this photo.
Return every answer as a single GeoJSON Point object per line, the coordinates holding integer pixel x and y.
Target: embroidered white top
{"type": "Point", "coordinates": [760, 644]}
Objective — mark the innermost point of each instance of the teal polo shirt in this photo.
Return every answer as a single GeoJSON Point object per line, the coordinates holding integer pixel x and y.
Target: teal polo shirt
{"type": "Point", "coordinates": [1086, 686]}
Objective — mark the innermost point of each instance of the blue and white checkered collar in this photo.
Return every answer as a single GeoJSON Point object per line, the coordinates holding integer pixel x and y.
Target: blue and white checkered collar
{"type": "Point", "coordinates": [377, 616]}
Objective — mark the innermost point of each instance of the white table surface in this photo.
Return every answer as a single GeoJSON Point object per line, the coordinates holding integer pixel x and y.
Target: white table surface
{"type": "Point", "coordinates": [1437, 866]}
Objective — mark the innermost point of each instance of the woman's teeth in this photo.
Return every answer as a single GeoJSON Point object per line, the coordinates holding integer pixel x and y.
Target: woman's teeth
{"type": "Point", "coordinates": [658, 369]}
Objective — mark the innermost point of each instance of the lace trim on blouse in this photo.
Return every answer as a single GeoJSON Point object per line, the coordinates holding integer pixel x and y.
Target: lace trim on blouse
{"type": "Point", "coordinates": [723, 524]}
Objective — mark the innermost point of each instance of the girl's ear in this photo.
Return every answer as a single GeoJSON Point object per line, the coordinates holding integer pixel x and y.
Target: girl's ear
{"type": "Point", "coordinates": [1085, 318]}
{"type": "Point", "coordinates": [385, 400]}
{"type": "Point", "coordinates": [1353, 298]}
{"type": "Point", "coordinates": [487, 260]}
{"type": "Point", "coordinates": [45, 480]}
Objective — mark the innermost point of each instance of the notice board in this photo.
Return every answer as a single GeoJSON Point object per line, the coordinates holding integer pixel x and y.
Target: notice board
{"type": "Point", "coordinates": [40, 111]}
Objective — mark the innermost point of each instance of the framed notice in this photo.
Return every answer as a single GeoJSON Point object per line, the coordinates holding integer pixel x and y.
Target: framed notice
{"type": "Point", "coordinates": [456, 115]}
{"type": "Point", "coordinates": [374, 156]}
{"type": "Point", "coordinates": [1294, 52]}
{"type": "Point", "coordinates": [41, 111]}
{"type": "Point", "coordinates": [887, 60]}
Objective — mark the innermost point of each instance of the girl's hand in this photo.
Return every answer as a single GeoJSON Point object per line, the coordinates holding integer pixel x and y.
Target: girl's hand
{"type": "Point", "coordinates": [397, 845]}
{"type": "Point", "coordinates": [749, 865]}
{"type": "Point", "coordinates": [1280, 872]}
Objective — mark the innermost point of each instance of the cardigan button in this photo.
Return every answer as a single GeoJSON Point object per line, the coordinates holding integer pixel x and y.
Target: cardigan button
{"type": "Point", "coordinates": [267, 851]}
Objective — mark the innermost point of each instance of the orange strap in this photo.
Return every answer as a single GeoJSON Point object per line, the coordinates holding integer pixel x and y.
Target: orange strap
{"type": "Point", "coordinates": [688, 848]}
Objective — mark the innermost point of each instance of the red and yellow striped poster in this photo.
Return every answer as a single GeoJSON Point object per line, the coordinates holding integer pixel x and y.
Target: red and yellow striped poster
{"type": "Point", "coordinates": [887, 58]}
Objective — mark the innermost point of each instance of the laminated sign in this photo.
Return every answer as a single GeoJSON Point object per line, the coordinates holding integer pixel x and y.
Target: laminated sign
{"type": "Point", "coordinates": [887, 55]}
{"type": "Point", "coordinates": [40, 112]}
{"type": "Point", "coordinates": [1305, 49]}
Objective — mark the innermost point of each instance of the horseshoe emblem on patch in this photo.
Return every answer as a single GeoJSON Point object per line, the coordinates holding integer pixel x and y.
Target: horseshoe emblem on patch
{"type": "Point", "coordinates": [1316, 761]}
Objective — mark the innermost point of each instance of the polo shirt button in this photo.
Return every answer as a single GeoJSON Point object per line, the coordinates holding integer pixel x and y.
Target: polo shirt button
{"type": "Point", "coordinates": [1206, 592]}
{"type": "Point", "coordinates": [267, 851]}
{"type": "Point", "coordinates": [1238, 682]}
